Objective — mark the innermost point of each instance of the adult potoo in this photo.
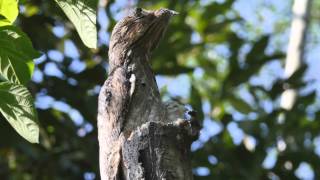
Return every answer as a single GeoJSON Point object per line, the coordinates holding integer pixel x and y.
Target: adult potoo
{"type": "Point", "coordinates": [130, 95]}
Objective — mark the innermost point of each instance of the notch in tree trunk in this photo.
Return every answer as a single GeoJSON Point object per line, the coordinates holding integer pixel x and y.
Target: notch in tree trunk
{"type": "Point", "coordinates": [139, 136]}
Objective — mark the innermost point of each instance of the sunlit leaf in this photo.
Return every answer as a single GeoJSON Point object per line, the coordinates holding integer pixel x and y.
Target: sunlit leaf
{"type": "Point", "coordinates": [82, 13]}
{"type": "Point", "coordinates": [4, 21]}
{"type": "Point", "coordinates": [17, 107]}
{"type": "Point", "coordinates": [30, 10]}
{"type": "Point", "coordinates": [8, 11]}
{"type": "Point", "coordinates": [16, 55]}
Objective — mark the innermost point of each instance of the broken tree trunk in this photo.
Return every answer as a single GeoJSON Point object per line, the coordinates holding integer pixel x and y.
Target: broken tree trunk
{"type": "Point", "coordinates": [139, 136]}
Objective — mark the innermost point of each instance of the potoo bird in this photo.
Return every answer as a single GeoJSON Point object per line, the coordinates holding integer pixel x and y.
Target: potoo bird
{"type": "Point", "coordinates": [130, 96]}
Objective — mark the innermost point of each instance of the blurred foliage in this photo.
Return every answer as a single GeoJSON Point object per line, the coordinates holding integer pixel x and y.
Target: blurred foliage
{"type": "Point", "coordinates": [221, 65]}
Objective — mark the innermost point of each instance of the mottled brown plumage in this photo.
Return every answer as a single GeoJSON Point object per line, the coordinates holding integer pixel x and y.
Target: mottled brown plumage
{"type": "Point", "coordinates": [140, 32]}
{"type": "Point", "coordinates": [130, 95]}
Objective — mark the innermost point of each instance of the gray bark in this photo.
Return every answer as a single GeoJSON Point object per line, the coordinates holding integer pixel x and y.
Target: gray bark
{"type": "Point", "coordinates": [139, 136]}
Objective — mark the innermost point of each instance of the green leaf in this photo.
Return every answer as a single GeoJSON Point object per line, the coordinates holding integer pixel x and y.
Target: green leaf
{"type": "Point", "coordinates": [8, 11]}
{"type": "Point", "coordinates": [240, 105]}
{"type": "Point", "coordinates": [297, 76]}
{"type": "Point", "coordinates": [257, 51]}
{"type": "Point", "coordinates": [82, 13]}
{"type": "Point", "coordinates": [4, 21]}
{"type": "Point", "coordinates": [16, 55]}
{"type": "Point", "coordinates": [17, 107]}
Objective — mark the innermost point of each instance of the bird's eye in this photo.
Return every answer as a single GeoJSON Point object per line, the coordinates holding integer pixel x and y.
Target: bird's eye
{"type": "Point", "coordinates": [138, 11]}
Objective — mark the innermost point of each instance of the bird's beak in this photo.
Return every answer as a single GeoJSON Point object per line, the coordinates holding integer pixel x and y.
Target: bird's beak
{"type": "Point", "coordinates": [166, 12]}
{"type": "Point", "coordinates": [173, 13]}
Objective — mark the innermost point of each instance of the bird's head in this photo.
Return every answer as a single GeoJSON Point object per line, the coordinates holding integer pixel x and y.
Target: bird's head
{"type": "Point", "coordinates": [141, 30]}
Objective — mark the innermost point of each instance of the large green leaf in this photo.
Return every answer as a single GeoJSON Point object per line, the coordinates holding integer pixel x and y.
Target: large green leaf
{"type": "Point", "coordinates": [8, 11]}
{"type": "Point", "coordinates": [16, 55]}
{"type": "Point", "coordinates": [17, 107]}
{"type": "Point", "coordinates": [82, 13]}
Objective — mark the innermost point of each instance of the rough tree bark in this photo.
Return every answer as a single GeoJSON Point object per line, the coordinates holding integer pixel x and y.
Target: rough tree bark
{"type": "Point", "coordinates": [139, 136]}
